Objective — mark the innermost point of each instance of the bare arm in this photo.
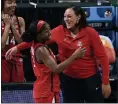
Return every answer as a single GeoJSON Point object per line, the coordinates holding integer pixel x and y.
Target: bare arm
{"type": "Point", "coordinates": [17, 35]}
{"type": "Point", "coordinates": [48, 60]}
{"type": "Point", "coordinates": [5, 36]}
{"type": "Point", "coordinates": [6, 19]}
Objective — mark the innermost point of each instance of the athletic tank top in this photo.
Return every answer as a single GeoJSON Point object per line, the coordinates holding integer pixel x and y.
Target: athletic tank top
{"type": "Point", "coordinates": [46, 80]}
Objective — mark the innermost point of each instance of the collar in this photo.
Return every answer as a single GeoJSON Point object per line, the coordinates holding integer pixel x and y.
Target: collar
{"type": "Point", "coordinates": [78, 35]}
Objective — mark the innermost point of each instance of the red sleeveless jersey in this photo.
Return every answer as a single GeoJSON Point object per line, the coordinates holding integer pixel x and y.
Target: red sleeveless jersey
{"type": "Point", "coordinates": [10, 40]}
{"type": "Point", "coordinates": [46, 81]}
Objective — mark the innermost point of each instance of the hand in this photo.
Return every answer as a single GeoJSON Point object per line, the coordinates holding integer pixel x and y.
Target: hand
{"type": "Point", "coordinates": [9, 54]}
{"type": "Point", "coordinates": [12, 21]}
{"type": "Point", "coordinates": [79, 53]}
{"type": "Point", "coordinates": [106, 90]}
{"type": "Point", "coordinates": [6, 19]}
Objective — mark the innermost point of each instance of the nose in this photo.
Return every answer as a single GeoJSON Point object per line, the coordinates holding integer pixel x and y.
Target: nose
{"type": "Point", "coordinates": [65, 18]}
{"type": "Point", "coordinates": [13, 4]}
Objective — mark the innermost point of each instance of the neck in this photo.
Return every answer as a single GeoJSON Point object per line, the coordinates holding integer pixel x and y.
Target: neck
{"type": "Point", "coordinates": [42, 41]}
{"type": "Point", "coordinates": [74, 30]}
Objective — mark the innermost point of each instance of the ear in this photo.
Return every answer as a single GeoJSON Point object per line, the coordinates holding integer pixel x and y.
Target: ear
{"type": "Point", "coordinates": [78, 18]}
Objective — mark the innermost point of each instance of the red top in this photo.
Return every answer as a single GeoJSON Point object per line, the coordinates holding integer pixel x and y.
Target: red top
{"type": "Point", "coordinates": [11, 40]}
{"type": "Point", "coordinates": [87, 66]}
{"type": "Point", "coordinates": [46, 80]}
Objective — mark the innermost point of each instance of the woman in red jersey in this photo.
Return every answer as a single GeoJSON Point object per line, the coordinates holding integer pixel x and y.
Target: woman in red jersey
{"type": "Point", "coordinates": [12, 28]}
{"type": "Point", "coordinates": [47, 85]}
{"type": "Point", "coordinates": [81, 81]}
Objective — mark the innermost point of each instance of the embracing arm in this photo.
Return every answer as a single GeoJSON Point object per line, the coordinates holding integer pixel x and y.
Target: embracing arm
{"type": "Point", "coordinates": [23, 45]}
{"type": "Point", "coordinates": [12, 51]}
{"type": "Point", "coordinates": [48, 60]}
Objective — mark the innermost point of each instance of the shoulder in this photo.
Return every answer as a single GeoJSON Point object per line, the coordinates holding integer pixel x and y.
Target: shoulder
{"type": "Point", "coordinates": [21, 20]}
{"type": "Point", "coordinates": [58, 28]}
{"type": "Point", "coordinates": [56, 32]}
{"type": "Point", "coordinates": [91, 31]}
{"type": "Point", "coordinates": [42, 51]}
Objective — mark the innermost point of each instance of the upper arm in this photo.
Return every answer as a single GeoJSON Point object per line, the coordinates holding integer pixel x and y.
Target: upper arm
{"type": "Point", "coordinates": [22, 24]}
{"type": "Point", "coordinates": [96, 43]}
{"type": "Point", "coordinates": [45, 56]}
{"type": "Point", "coordinates": [55, 33]}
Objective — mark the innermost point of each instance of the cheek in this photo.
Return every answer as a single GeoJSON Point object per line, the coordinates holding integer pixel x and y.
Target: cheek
{"type": "Point", "coordinates": [38, 37]}
{"type": "Point", "coordinates": [73, 22]}
{"type": "Point", "coordinates": [8, 5]}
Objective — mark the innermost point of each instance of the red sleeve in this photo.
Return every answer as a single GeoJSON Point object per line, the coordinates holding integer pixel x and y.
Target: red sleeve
{"type": "Point", "coordinates": [23, 45]}
{"type": "Point", "coordinates": [55, 33]}
{"type": "Point", "coordinates": [50, 41]}
{"type": "Point", "coordinates": [100, 54]}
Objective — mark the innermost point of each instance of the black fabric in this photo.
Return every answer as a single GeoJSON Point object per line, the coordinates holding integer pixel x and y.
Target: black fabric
{"type": "Point", "coordinates": [81, 90]}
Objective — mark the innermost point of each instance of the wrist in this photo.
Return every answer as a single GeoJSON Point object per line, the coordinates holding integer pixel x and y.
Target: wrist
{"type": "Point", "coordinates": [72, 58]}
{"type": "Point", "coordinates": [7, 25]}
{"type": "Point", "coordinates": [105, 80]}
{"type": "Point", "coordinates": [12, 25]}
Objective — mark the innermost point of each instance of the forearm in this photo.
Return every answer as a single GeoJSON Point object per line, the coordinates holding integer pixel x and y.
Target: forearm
{"type": "Point", "coordinates": [17, 35]}
{"type": "Point", "coordinates": [23, 46]}
{"type": "Point", "coordinates": [5, 36]}
{"type": "Point", "coordinates": [105, 69]}
{"type": "Point", "coordinates": [60, 67]}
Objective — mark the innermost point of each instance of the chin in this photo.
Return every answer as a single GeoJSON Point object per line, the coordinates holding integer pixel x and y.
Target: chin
{"type": "Point", "coordinates": [11, 13]}
{"type": "Point", "coordinates": [68, 27]}
{"type": "Point", "coordinates": [47, 39]}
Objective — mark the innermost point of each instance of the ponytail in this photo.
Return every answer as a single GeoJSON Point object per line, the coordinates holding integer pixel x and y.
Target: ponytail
{"type": "Point", "coordinates": [27, 37]}
{"type": "Point", "coordinates": [31, 33]}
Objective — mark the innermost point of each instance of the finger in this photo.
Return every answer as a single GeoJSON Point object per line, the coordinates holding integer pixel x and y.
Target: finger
{"type": "Point", "coordinates": [107, 94]}
{"type": "Point", "coordinates": [8, 53]}
{"type": "Point", "coordinates": [10, 57]}
{"type": "Point", "coordinates": [103, 93]}
{"type": "Point", "coordinates": [83, 49]}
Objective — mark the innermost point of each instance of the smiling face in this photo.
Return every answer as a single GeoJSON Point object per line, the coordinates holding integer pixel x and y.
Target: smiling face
{"type": "Point", "coordinates": [70, 18]}
{"type": "Point", "coordinates": [9, 6]}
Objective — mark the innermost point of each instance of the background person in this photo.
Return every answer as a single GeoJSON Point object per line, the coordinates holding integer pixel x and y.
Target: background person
{"type": "Point", "coordinates": [12, 28]}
